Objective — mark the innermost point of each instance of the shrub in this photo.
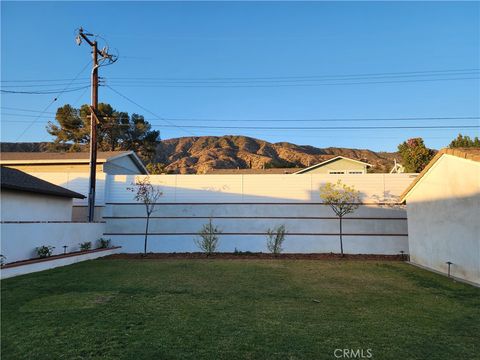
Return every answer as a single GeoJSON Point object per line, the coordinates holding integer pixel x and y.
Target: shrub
{"type": "Point", "coordinates": [44, 251]}
{"type": "Point", "coordinates": [240, 253]}
{"type": "Point", "coordinates": [104, 243]}
{"type": "Point", "coordinates": [87, 245]}
{"type": "Point", "coordinates": [3, 260]}
{"type": "Point", "coordinates": [208, 241]}
{"type": "Point", "coordinates": [275, 239]}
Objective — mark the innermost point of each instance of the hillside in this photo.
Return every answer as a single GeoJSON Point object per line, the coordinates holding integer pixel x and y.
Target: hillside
{"type": "Point", "coordinates": [190, 155]}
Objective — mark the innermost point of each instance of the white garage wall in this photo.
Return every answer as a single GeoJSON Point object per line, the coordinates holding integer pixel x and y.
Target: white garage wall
{"type": "Point", "coordinates": [28, 206]}
{"type": "Point", "coordinates": [443, 218]}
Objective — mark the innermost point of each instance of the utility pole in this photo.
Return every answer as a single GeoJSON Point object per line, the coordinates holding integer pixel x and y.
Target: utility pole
{"type": "Point", "coordinates": [93, 118]}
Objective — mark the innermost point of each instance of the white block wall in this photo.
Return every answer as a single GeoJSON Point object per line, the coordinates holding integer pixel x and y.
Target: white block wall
{"type": "Point", "coordinates": [246, 206]}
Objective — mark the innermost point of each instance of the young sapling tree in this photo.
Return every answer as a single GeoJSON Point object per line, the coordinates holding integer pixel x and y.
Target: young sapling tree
{"type": "Point", "coordinates": [208, 238]}
{"type": "Point", "coordinates": [275, 239]}
{"type": "Point", "coordinates": [148, 195]}
{"type": "Point", "coordinates": [343, 200]}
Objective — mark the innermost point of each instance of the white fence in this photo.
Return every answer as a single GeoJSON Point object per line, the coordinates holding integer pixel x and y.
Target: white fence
{"type": "Point", "coordinates": [244, 207]}
{"type": "Point", "coordinates": [19, 240]}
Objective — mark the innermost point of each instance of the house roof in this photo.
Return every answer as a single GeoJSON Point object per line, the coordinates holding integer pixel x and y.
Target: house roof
{"type": "Point", "coordinates": [27, 158]}
{"type": "Point", "coordinates": [252, 171]}
{"type": "Point", "coordinates": [329, 161]}
{"type": "Point", "coordinates": [464, 153]}
{"type": "Point", "coordinates": [14, 179]}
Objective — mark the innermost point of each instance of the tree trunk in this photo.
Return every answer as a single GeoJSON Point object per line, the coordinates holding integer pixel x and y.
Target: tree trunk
{"type": "Point", "coordinates": [341, 238]}
{"type": "Point", "coordinates": [146, 235]}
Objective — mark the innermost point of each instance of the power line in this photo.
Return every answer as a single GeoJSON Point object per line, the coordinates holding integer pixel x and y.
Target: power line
{"type": "Point", "coordinates": [45, 92]}
{"type": "Point", "coordinates": [384, 74]}
{"type": "Point", "coordinates": [145, 109]}
{"type": "Point", "coordinates": [416, 118]}
{"type": "Point", "coordinates": [322, 128]}
{"type": "Point", "coordinates": [286, 80]}
{"type": "Point", "coordinates": [280, 120]}
{"type": "Point", "coordinates": [50, 104]}
{"type": "Point", "coordinates": [222, 85]}
{"type": "Point", "coordinates": [419, 127]}
{"type": "Point", "coordinates": [43, 85]}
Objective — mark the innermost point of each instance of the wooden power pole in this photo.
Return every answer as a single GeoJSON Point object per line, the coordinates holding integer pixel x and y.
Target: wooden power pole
{"type": "Point", "coordinates": [93, 118]}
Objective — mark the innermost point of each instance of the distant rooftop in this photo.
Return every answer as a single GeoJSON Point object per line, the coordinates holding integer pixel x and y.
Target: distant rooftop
{"type": "Point", "coordinates": [102, 156]}
{"type": "Point", "coordinates": [55, 158]}
{"type": "Point", "coordinates": [252, 171]}
{"type": "Point", "coordinates": [13, 179]}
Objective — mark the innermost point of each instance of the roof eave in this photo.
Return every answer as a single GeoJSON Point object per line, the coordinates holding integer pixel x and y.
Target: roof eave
{"type": "Point", "coordinates": [70, 195]}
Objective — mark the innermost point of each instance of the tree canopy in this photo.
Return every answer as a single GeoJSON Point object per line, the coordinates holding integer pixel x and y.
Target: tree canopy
{"type": "Point", "coordinates": [462, 141]}
{"type": "Point", "coordinates": [415, 154]}
{"type": "Point", "coordinates": [117, 130]}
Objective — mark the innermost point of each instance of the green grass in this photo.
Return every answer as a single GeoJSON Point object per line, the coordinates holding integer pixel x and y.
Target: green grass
{"type": "Point", "coordinates": [251, 309]}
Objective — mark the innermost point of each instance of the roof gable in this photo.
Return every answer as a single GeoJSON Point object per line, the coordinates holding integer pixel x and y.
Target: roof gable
{"type": "Point", "coordinates": [323, 163]}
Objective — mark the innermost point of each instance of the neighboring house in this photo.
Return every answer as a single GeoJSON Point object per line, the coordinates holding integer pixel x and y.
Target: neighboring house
{"type": "Point", "coordinates": [26, 198]}
{"type": "Point", "coordinates": [277, 171]}
{"type": "Point", "coordinates": [337, 165]}
{"type": "Point", "coordinates": [71, 170]}
{"type": "Point", "coordinates": [443, 208]}
{"type": "Point", "coordinates": [109, 162]}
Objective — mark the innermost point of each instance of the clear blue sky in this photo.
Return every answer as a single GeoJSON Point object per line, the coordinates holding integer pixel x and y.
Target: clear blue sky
{"type": "Point", "coordinates": [194, 41]}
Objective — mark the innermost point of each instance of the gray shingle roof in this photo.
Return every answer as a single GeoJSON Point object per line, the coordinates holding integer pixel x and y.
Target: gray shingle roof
{"type": "Point", "coordinates": [14, 179]}
{"type": "Point", "coordinates": [102, 156]}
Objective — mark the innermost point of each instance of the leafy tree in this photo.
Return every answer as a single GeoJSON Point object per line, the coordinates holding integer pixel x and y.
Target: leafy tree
{"type": "Point", "coordinates": [156, 168]}
{"type": "Point", "coordinates": [464, 142]}
{"type": "Point", "coordinates": [343, 200]}
{"type": "Point", "coordinates": [147, 194]}
{"type": "Point", "coordinates": [116, 130]}
{"type": "Point", "coordinates": [415, 154]}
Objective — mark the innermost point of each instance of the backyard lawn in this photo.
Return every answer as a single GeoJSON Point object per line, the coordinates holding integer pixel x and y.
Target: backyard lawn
{"type": "Point", "coordinates": [238, 309]}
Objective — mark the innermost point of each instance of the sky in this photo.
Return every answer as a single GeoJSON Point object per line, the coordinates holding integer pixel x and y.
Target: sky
{"type": "Point", "coordinates": [258, 69]}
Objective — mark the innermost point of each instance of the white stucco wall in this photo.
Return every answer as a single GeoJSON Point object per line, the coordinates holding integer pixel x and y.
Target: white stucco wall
{"type": "Point", "coordinates": [444, 218]}
{"type": "Point", "coordinates": [18, 241]}
{"type": "Point", "coordinates": [26, 206]}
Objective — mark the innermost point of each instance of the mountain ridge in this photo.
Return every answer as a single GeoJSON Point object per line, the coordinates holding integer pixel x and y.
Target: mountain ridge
{"type": "Point", "coordinates": [198, 155]}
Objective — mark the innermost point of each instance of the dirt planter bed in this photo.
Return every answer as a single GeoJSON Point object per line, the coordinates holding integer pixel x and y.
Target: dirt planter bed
{"type": "Point", "coordinates": [253, 256]}
{"type": "Point", "coordinates": [40, 264]}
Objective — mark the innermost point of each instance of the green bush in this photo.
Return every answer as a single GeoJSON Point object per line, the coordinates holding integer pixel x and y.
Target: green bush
{"type": "Point", "coordinates": [104, 243]}
{"type": "Point", "coordinates": [87, 245]}
{"type": "Point", "coordinates": [44, 251]}
{"type": "Point", "coordinates": [3, 260]}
